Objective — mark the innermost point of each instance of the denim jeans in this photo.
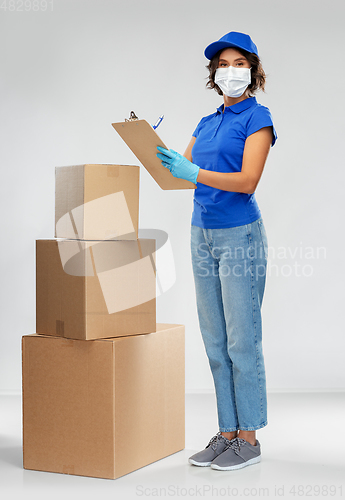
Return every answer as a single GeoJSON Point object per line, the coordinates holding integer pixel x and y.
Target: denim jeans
{"type": "Point", "coordinates": [229, 267]}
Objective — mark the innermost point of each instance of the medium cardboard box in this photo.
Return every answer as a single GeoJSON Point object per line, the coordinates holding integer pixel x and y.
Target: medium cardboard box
{"type": "Point", "coordinates": [97, 202]}
{"type": "Point", "coordinates": [106, 407]}
{"type": "Point", "coordinates": [95, 289]}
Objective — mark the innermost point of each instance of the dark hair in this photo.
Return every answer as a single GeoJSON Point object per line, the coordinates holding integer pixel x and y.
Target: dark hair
{"type": "Point", "coordinates": [257, 72]}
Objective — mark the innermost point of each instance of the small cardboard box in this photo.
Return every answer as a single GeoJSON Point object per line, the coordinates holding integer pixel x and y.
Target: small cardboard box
{"type": "Point", "coordinates": [106, 407]}
{"type": "Point", "coordinates": [95, 289]}
{"type": "Point", "coordinates": [97, 202]}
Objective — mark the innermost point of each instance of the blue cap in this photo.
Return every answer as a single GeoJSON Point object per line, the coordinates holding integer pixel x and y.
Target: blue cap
{"type": "Point", "coordinates": [232, 39]}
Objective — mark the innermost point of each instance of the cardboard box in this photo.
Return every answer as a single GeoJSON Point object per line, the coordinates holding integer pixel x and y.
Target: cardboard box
{"type": "Point", "coordinates": [95, 289]}
{"type": "Point", "coordinates": [103, 408]}
{"type": "Point", "coordinates": [97, 202]}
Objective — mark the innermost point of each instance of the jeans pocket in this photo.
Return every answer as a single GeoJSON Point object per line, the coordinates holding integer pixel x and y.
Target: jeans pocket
{"type": "Point", "coordinates": [262, 230]}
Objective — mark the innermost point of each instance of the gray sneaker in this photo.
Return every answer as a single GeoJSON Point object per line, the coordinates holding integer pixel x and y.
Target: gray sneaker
{"type": "Point", "coordinates": [215, 447]}
{"type": "Point", "coordinates": [239, 453]}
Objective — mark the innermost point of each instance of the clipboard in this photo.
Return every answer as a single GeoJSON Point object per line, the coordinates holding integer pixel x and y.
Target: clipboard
{"type": "Point", "coordinates": [143, 140]}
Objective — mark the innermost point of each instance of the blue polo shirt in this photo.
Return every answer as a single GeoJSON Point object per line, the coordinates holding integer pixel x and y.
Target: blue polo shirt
{"type": "Point", "coordinates": [219, 145]}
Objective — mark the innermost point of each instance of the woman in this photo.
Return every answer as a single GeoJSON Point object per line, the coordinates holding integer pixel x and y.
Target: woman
{"type": "Point", "coordinates": [225, 159]}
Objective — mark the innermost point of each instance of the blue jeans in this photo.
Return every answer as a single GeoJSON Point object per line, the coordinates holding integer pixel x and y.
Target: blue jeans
{"type": "Point", "coordinates": [229, 267]}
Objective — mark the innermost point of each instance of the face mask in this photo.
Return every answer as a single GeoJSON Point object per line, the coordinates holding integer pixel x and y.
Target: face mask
{"type": "Point", "coordinates": [233, 81]}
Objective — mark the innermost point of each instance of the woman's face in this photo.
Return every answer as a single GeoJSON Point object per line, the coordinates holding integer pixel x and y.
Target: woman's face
{"type": "Point", "coordinates": [231, 57]}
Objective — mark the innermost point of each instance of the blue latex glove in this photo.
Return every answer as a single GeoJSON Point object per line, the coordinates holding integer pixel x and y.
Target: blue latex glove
{"type": "Point", "coordinates": [178, 165]}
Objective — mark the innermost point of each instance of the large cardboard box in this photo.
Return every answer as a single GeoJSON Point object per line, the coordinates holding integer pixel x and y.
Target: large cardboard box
{"type": "Point", "coordinates": [96, 202]}
{"type": "Point", "coordinates": [95, 289]}
{"type": "Point", "coordinates": [103, 408]}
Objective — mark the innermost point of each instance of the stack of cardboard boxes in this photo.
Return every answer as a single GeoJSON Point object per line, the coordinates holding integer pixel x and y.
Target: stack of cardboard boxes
{"type": "Point", "coordinates": [103, 383]}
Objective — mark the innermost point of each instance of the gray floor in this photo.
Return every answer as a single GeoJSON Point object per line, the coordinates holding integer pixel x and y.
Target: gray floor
{"type": "Point", "coordinates": [303, 455]}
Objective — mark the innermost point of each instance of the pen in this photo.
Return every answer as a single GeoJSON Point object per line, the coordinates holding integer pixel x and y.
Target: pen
{"type": "Point", "coordinates": [158, 122]}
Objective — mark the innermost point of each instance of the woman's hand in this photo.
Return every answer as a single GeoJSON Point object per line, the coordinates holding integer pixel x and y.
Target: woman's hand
{"type": "Point", "coordinates": [178, 165]}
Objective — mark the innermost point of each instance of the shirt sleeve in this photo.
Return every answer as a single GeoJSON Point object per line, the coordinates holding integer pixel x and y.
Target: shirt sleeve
{"type": "Point", "coordinates": [261, 118]}
{"type": "Point", "coordinates": [197, 130]}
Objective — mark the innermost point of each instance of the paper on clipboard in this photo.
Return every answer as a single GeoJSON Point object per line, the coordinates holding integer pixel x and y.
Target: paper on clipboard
{"type": "Point", "coordinates": [142, 139]}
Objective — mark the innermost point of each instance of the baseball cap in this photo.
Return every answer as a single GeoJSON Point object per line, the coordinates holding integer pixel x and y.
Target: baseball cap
{"type": "Point", "coordinates": [232, 39]}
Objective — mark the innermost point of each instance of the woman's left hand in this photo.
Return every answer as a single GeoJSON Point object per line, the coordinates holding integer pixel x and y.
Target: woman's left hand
{"type": "Point", "coordinates": [178, 165]}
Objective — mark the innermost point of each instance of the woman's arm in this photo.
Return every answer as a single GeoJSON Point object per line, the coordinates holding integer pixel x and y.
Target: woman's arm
{"type": "Point", "coordinates": [188, 152]}
{"type": "Point", "coordinates": [256, 149]}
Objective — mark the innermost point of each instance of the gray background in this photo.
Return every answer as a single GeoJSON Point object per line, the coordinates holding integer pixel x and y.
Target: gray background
{"type": "Point", "coordinates": [67, 74]}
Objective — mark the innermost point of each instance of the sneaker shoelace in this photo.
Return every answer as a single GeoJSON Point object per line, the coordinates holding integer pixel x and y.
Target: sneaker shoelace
{"type": "Point", "coordinates": [214, 441]}
{"type": "Point", "coordinates": [235, 444]}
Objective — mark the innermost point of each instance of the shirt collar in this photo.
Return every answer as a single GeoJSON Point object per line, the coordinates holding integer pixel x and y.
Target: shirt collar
{"type": "Point", "coordinates": [239, 106]}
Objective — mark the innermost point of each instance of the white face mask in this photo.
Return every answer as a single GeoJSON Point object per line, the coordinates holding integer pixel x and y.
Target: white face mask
{"type": "Point", "coordinates": [233, 81]}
